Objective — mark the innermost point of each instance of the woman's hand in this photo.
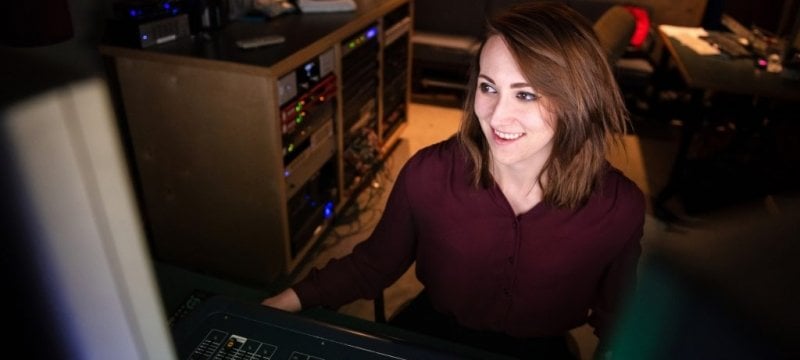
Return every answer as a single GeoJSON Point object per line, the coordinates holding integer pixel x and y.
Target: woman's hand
{"type": "Point", "coordinates": [286, 300]}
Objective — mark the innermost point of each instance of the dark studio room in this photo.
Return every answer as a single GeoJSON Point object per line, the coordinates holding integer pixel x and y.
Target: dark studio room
{"type": "Point", "coordinates": [401, 179]}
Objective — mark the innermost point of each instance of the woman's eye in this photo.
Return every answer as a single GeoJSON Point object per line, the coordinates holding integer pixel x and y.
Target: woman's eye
{"type": "Point", "coordinates": [527, 96]}
{"type": "Point", "coordinates": [486, 88]}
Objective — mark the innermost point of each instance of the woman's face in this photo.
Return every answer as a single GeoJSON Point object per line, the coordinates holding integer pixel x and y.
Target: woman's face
{"type": "Point", "coordinates": [516, 124]}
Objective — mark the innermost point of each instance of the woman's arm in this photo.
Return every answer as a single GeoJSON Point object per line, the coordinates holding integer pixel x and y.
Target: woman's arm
{"type": "Point", "coordinates": [286, 300]}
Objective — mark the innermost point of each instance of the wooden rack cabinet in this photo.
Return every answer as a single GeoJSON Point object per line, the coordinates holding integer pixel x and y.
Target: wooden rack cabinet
{"type": "Point", "coordinates": [228, 185]}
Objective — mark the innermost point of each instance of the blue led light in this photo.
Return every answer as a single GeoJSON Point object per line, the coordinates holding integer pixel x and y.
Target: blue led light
{"type": "Point", "coordinates": [372, 32]}
{"type": "Point", "coordinates": [145, 37]}
{"type": "Point", "coordinates": [286, 173]}
{"type": "Point", "coordinates": [166, 6]}
{"type": "Point", "coordinates": [328, 212]}
{"type": "Point", "coordinates": [132, 12]}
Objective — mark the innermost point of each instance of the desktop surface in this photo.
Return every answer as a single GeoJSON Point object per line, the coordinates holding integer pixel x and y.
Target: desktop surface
{"type": "Point", "coordinates": [734, 75]}
{"type": "Point", "coordinates": [301, 31]}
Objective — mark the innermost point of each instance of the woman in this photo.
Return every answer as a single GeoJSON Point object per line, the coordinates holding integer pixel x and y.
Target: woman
{"type": "Point", "coordinates": [520, 229]}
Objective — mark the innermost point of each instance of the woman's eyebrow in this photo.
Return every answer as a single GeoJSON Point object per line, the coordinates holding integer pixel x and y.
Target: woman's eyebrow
{"type": "Point", "coordinates": [513, 86]}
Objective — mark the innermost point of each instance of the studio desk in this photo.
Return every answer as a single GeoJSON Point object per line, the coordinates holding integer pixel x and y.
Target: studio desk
{"type": "Point", "coordinates": [242, 158]}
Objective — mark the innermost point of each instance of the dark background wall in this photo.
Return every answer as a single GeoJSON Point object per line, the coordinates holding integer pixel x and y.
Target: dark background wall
{"type": "Point", "coordinates": [35, 54]}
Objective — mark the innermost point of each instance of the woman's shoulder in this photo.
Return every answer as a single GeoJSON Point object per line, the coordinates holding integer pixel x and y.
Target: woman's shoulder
{"type": "Point", "coordinates": [439, 155]}
{"type": "Point", "coordinates": [622, 191]}
{"type": "Point", "coordinates": [435, 165]}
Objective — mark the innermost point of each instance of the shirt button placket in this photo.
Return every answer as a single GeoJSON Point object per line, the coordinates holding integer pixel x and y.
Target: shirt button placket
{"type": "Point", "coordinates": [514, 244]}
{"type": "Point", "coordinates": [510, 259]}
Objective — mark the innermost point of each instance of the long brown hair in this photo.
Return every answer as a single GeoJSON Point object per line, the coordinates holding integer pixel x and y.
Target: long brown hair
{"type": "Point", "coordinates": [559, 55]}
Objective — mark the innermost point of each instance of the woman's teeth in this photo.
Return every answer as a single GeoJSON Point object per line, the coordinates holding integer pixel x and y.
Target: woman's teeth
{"type": "Point", "coordinates": [507, 136]}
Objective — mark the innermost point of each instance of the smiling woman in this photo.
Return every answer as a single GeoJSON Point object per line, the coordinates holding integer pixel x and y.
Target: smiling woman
{"type": "Point", "coordinates": [519, 228]}
{"type": "Point", "coordinates": [518, 130]}
{"type": "Point", "coordinates": [558, 55]}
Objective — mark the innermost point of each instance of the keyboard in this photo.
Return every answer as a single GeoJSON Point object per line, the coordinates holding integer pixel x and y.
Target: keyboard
{"type": "Point", "coordinates": [736, 27]}
{"type": "Point", "coordinates": [727, 43]}
{"type": "Point", "coordinates": [223, 328]}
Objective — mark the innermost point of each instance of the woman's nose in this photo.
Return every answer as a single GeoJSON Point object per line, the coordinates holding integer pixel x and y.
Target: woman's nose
{"type": "Point", "coordinates": [502, 111]}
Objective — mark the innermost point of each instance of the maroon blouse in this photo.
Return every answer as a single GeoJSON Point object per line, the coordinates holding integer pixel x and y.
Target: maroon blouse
{"type": "Point", "coordinates": [536, 274]}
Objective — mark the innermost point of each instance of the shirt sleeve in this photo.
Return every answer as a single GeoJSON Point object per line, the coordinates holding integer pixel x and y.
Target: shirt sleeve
{"type": "Point", "coordinates": [619, 279]}
{"type": "Point", "coordinates": [374, 264]}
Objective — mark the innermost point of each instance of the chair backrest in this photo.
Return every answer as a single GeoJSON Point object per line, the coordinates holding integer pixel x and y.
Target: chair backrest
{"type": "Point", "coordinates": [614, 29]}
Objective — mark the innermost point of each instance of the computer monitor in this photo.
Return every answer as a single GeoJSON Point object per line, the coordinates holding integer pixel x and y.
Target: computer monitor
{"type": "Point", "coordinates": [81, 283]}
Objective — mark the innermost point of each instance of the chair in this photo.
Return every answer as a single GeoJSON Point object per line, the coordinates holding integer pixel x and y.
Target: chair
{"type": "Point", "coordinates": [618, 29]}
{"type": "Point", "coordinates": [614, 30]}
{"type": "Point", "coordinates": [380, 309]}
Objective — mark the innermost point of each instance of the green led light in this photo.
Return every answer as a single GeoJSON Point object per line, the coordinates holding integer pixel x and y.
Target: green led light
{"type": "Point", "coordinates": [291, 147]}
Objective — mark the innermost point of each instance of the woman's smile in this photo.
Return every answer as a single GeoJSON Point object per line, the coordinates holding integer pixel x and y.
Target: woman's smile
{"type": "Point", "coordinates": [508, 135]}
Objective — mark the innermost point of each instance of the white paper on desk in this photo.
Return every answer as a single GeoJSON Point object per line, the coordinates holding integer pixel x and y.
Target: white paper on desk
{"type": "Point", "coordinates": [690, 37]}
{"type": "Point", "coordinates": [316, 6]}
